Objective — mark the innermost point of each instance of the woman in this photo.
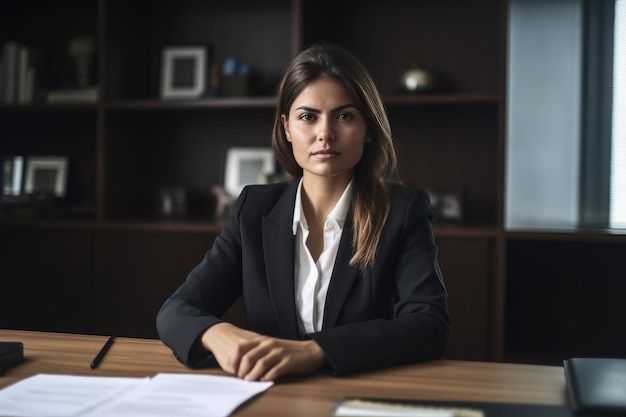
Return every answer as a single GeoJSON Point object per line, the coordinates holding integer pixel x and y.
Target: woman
{"type": "Point", "coordinates": [338, 269]}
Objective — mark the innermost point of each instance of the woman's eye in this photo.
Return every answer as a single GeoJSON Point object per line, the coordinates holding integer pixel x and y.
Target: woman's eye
{"type": "Point", "coordinates": [345, 116]}
{"type": "Point", "coordinates": [307, 117]}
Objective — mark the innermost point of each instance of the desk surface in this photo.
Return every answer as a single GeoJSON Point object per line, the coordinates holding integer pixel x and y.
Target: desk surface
{"type": "Point", "coordinates": [302, 396]}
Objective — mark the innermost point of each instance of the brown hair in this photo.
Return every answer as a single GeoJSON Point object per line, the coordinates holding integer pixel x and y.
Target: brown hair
{"type": "Point", "coordinates": [377, 167]}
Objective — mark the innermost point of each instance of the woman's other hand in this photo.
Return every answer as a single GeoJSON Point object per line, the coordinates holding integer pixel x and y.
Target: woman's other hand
{"type": "Point", "coordinates": [253, 357]}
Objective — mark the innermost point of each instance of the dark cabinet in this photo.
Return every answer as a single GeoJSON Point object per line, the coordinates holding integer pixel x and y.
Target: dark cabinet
{"type": "Point", "coordinates": [136, 272]}
{"type": "Point", "coordinates": [46, 279]}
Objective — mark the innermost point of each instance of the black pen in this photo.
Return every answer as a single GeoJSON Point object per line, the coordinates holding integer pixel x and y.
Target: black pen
{"type": "Point", "coordinates": [102, 352]}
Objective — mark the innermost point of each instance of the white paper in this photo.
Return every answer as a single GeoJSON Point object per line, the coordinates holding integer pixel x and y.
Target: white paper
{"type": "Point", "coordinates": [45, 395]}
{"type": "Point", "coordinates": [183, 395]}
{"type": "Point", "coordinates": [180, 395]}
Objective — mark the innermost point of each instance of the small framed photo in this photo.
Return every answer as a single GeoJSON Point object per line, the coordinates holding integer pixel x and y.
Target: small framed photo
{"type": "Point", "coordinates": [46, 175]}
{"type": "Point", "coordinates": [448, 204]}
{"type": "Point", "coordinates": [247, 165]}
{"type": "Point", "coordinates": [184, 72]}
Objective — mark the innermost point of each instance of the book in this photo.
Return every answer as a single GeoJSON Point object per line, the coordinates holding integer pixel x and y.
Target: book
{"type": "Point", "coordinates": [11, 353]}
{"type": "Point", "coordinates": [596, 386]}
{"type": "Point", "coordinates": [18, 73]}
{"type": "Point", "coordinates": [10, 71]}
{"type": "Point", "coordinates": [392, 407]}
{"type": "Point", "coordinates": [358, 407]}
{"type": "Point", "coordinates": [11, 174]}
{"type": "Point", "coordinates": [25, 75]}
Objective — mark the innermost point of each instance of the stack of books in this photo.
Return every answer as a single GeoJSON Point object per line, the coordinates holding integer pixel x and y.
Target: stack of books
{"type": "Point", "coordinates": [17, 73]}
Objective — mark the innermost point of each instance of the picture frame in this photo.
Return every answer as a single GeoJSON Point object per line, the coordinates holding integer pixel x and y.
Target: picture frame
{"type": "Point", "coordinates": [247, 165]}
{"type": "Point", "coordinates": [46, 175]}
{"type": "Point", "coordinates": [184, 72]}
{"type": "Point", "coordinates": [448, 204]}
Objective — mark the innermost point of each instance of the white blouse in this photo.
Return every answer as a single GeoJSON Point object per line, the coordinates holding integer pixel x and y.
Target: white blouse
{"type": "Point", "coordinates": [312, 278]}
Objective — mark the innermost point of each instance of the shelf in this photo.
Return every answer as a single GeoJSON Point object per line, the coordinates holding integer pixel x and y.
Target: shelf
{"type": "Point", "coordinates": [428, 99]}
{"type": "Point", "coordinates": [469, 232]}
{"type": "Point", "coordinates": [270, 102]}
{"type": "Point", "coordinates": [217, 103]}
{"type": "Point", "coordinates": [61, 224]}
{"type": "Point", "coordinates": [49, 108]}
{"type": "Point", "coordinates": [569, 234]}
{"type": "Point", "coordinates": [183, 226]}
{"type": "Point", "coordinates": [187, 227]}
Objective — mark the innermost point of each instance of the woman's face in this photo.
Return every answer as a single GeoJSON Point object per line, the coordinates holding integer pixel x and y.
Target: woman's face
{"type": "Point", "coordinates": [326, 130]}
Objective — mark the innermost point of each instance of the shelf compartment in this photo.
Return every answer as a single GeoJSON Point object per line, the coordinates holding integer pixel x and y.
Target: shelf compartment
{"type": "Point", "coordinates": [259, 33]}
{"type": "Point", "coordinates": [57, 133]}
{"type": "Point", "coordinates": [449, 147]}
{"type": "Point", "coordinates": [459, 42]}
{"type": "Point", "coordinates": [150, 150]}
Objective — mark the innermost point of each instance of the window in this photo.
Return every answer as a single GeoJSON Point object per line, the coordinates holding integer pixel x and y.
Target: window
{"type": "Point", "coordinates": [618, 161]}
{"type": "Point", "coordinates": [566, 143]}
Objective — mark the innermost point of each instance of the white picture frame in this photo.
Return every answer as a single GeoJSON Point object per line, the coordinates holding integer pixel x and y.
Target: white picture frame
{"type": "Point", "coordinates": [47, 174]}
{"type": "Point", "coordinates": [246, 166]}
{"type": "Point", "coordinates": [183, 72]}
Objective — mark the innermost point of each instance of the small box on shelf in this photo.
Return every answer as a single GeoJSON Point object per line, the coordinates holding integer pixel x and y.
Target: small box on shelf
{"type": "Point", "coordinates": [72, 95]}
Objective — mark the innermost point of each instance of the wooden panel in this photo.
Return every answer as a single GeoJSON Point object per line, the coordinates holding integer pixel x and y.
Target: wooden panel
{"type": "Point", "coordinates": [136, 272]}
{"type": "Point", "coordinates": [46, 280]}
{"type": "Point", "coordinates": [565, 299]}
{"type": "Point", "coordinates": [465, 265]}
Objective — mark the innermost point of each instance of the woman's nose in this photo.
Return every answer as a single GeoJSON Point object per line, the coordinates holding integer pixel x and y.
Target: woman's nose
{"type": "Point", "coordinates": [325, 131]}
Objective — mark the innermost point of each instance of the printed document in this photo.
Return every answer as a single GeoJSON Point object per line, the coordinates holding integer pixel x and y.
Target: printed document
{"type": "Point", "coordinates": [182, 395]}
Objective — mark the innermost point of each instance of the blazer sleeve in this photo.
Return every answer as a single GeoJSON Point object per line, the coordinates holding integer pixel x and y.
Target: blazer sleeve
{"type": "Point", "coordinates": [415, 324]}
{"type": "Point", "coordinates": [209, 290]}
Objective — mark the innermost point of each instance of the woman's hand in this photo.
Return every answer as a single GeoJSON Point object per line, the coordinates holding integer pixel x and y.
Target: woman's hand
{"type": "Point", "coordinates": [253, 357]}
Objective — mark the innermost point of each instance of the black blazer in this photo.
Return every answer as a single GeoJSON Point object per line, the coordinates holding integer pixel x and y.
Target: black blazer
{"type": "Point", "coordinates": [396, 312]}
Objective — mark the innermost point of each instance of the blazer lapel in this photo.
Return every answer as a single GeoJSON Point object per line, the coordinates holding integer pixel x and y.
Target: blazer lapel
{"type": "Point", "coordinates": [342, 278]}
{"type": "Point", "coordinates": [279, 253]}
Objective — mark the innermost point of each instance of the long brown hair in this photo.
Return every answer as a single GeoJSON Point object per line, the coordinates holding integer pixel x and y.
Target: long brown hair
{"type": "Point", "coordinates": [377, 167]}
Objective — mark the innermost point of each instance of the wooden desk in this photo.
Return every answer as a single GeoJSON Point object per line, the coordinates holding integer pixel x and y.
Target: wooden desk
{"type": "Point", "coordinates": [302, 396]}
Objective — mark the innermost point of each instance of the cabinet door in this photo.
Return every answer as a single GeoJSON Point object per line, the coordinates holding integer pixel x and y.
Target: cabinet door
{"type": "Point", "coordinates": [137, 271]}
{"type": "Point", "coordinates": [466, 266]}
{"type": "Point", "coordinates": [46, 280]}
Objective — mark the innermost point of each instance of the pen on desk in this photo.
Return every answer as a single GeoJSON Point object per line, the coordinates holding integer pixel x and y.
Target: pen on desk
{"type": "Point", "coordinates": [102, 352]}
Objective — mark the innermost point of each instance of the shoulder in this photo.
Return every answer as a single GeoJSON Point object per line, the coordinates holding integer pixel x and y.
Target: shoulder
{"type": "Point", "coordinates": [405, 197]}
{"type": "Point", "coordinates": [262, 192]}
{"type": "Point", "coordinates": [263, 199]}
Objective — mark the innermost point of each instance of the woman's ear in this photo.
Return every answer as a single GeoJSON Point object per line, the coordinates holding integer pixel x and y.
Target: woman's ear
{"type": "Point", "coordinates": [283, 119]}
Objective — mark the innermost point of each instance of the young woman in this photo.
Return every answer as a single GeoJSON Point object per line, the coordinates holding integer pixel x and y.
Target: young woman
{"type": "Point", "coordinates": [338, 269]}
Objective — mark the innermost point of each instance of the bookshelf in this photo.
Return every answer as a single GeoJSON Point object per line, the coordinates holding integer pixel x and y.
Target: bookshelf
{"type": "Point", "coordinates": [127, 144]}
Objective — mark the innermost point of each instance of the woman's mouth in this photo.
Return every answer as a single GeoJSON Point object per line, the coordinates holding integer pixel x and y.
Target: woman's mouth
{"type": "Point", "coordinates": [325, 154]}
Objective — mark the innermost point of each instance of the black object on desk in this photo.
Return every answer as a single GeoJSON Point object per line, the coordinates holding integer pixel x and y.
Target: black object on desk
{"type": "Point", "coordinates": [596, 386]}
{"type": "Point", "coordinates": [103, 351]}
{"type": "Point", "coordinates": [11, 353]}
